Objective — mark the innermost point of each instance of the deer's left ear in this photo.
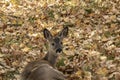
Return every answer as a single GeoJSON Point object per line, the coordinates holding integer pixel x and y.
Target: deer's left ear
{"type": "Point", "coordinates": [63, 33]}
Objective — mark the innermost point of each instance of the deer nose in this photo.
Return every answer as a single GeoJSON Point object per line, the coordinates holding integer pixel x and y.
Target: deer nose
{"type": "Point", "coordinates": [58, 50]}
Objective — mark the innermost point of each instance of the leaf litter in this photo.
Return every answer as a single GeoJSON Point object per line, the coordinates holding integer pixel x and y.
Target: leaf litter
{"type": "Point", "coordinates": [92, 49]}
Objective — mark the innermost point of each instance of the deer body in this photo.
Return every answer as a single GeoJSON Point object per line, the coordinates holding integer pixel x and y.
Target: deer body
{"type": "Point", "coordinates": [44, 69]}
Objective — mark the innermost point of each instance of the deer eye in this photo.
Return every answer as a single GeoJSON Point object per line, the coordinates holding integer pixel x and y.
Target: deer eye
{"type": "Point", "coordinates": [53, 44]}
{"type": "Point", "coordinates": [61, 43]}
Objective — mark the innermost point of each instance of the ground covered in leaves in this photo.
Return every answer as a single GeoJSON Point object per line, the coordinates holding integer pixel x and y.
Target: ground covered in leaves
{"type": "Point", "coordinates": [92, 49]}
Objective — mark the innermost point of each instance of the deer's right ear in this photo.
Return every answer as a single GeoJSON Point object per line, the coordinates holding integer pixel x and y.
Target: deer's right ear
{"type": "Point", "coordinates": [47, 34]}
{"type": "Point", "coordinates": [64, 32]}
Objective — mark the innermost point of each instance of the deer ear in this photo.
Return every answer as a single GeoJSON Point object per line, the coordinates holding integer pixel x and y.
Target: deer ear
{"type": "Point", "coordinates": [63, 33]}
{"type": "Point", "coordinates": [47, 34]}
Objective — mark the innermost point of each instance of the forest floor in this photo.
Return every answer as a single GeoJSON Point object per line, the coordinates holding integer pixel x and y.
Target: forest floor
{"type": "Point", "coordinates": [91, 50]}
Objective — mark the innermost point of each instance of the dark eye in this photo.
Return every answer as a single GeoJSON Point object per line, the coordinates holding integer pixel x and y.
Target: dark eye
{"type": "Point", "coordinates": [61, 43]}
{"type": "Point", "coordinates": [53, 44]}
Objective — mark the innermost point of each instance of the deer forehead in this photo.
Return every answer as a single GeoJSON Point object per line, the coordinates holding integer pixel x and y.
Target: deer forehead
{"type": "Point", "coordinates": [56, 39]}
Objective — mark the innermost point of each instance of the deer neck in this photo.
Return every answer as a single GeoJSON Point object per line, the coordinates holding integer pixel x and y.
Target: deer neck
{"type": "Point", "coordinates": [51, 58]}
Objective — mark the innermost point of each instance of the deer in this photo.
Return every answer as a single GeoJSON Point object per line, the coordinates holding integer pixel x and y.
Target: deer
{"type": "Point", "coordinates": [44, 69]}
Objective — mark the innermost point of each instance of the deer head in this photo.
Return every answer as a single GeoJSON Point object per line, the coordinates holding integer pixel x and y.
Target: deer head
{"type": "Point", "coordinates": [54, 43]}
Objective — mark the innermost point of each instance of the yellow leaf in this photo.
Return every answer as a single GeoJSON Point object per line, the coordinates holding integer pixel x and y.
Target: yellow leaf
{"type": "Point", "coordinates": [78, 73]}
{"type": "Point", "coordinates": [102, 71]}
{"type": "Point", "coordinates": [14, 1]}
{"type": "Point", "coordinates": [22, 45]}
{"type": "Point", "coordinates": [26, 49]}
